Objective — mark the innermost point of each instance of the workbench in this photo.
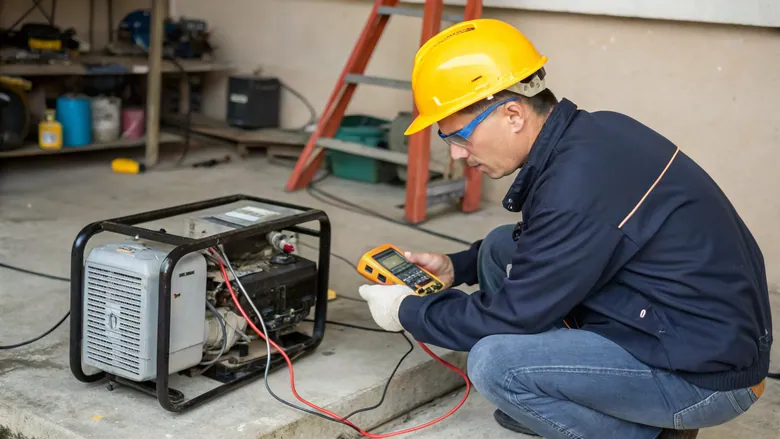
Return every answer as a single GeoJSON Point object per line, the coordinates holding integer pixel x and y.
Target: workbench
{"type": "Point", "coordinates": [152, 66]}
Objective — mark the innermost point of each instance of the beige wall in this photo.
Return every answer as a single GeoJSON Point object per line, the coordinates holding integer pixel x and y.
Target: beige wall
{"type": "Point", "coordinates": [713, 89]}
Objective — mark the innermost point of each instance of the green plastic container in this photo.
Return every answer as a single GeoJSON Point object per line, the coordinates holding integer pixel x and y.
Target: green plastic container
{"type": "Point", "coordinates": [365, 130]}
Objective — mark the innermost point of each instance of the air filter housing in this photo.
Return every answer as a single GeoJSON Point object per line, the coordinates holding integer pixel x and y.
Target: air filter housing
{"type": "Point", "coordinates": [121, 284]}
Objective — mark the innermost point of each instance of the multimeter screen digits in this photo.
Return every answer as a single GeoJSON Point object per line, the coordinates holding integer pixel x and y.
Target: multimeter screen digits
{"type": "Point", "coordinates": [392, 261]}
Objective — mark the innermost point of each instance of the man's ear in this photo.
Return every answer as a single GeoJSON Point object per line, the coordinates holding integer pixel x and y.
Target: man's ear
{"type": "Point", "coordinates": [517, 116]}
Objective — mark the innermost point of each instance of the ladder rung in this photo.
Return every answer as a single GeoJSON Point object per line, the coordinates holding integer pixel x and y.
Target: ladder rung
{"type": "Point", "coordinates": [415, 12]}
{"type": "Point", "coordinates": [363, 150]}
{"type": "Point", "coordinates": [445, 191]}
{"type": "Point", "coordinates": [354, 78]}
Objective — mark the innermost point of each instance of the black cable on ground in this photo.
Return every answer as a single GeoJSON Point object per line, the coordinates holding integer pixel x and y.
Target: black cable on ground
{"type": "Point", "coordinates": [34, 273]}
{"type": "Point", "coordinates": [395, 369]}
{"type": "Point", "coordinates": [342, 258]}
{"type": "Point", "coordinates": [25, 343]}
{"type": "Point", "coordinates": [62, 320]}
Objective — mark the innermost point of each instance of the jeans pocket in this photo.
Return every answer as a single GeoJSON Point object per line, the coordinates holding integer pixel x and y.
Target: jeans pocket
{"type": "Point", "coordinates": [716, 409]}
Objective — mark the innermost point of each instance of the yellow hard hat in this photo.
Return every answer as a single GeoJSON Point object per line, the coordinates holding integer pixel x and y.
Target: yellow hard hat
{"type": "Point", "coordinates": [468, 62]}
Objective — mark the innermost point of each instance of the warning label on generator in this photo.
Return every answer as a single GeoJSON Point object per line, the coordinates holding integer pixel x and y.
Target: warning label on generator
{"type": "Point", "coordinates": [251, 213]}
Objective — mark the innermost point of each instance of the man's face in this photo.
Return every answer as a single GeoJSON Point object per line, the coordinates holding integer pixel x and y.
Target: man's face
{"type": "Point", "coordinates": [496, 147]}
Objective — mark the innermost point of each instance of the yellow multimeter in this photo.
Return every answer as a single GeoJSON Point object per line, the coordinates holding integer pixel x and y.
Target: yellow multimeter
{"type": "Point", "coordinates": [387, 265]}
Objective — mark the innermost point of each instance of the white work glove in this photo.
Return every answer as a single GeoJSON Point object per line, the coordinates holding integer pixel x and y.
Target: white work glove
{"type": "Point", "coordinates": [384, 301]}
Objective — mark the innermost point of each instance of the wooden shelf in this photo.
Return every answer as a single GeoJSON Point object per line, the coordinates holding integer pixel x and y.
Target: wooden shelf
{"type": "Point", "coordinates": [208, 126]}
{"type": "Point", "coordinates": [92, 64]}
{"type": "Point", "coordinates": [35, 150]}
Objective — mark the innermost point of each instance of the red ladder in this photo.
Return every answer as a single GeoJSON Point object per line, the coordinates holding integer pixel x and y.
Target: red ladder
{"type": "Point", "coordinates": [418, 158]}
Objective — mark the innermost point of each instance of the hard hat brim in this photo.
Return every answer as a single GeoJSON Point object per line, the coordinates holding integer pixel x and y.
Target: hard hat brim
{"type": "Point", "coordinates": [418, 124]}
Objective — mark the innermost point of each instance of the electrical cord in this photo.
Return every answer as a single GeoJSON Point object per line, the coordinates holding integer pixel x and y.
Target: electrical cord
{"type": "Point", "coordinates": [312, 112]}
{"type": "Point", "coordinates": [330, 415]}
{"type": "Point", "coordinates": [25, 343]}
{"type": "Point", "coordinates": [34, 273]}
{"type": "Point", "coordinates": [221, 321]}
{"type": "Point", "coordinates": [395, 370]}
{"type": "Point", "coordinates": [309, 106]}
{"type": "Point", "coordinates": [392, 374]}
{"type": "Point", "coordinates": [57, 325]}
{"type": "Point", "coordinates": [341, 258]}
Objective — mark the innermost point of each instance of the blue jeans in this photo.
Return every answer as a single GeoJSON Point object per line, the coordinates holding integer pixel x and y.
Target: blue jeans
{"type": "Point", "coordinates": [574, 384]}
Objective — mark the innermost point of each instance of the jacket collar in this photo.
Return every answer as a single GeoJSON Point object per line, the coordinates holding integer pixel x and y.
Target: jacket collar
{"type": "Point", "coordinates": [548, 137]}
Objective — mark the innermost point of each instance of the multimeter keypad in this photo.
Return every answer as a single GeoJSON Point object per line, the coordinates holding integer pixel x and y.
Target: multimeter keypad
{"type": "Point", "coordinates": [418, 280]}
{"type": "Point", "coordinates": [413, 276]}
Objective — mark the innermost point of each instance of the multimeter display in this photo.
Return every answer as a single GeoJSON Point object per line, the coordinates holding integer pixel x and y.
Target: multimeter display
{"type": "Point", "coordinates": [395, 268]}
{"type": "Point", "coordinates": [392, 261]}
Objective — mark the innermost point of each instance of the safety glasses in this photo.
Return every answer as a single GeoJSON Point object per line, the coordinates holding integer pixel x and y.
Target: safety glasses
{"type": "Point", "coordinates": [461, 137]}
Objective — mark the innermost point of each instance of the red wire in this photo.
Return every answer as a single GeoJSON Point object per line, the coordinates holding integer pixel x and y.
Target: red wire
{"type": "Point", "coordinates": [345, 421]}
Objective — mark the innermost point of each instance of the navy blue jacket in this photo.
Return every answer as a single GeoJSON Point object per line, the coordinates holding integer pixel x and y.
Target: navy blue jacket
{"type": "Point", "coordinates": [679, 283]}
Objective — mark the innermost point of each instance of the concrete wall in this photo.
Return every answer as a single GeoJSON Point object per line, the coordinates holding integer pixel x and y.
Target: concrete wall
{"type": "Point", "coordinates": [711, 88]}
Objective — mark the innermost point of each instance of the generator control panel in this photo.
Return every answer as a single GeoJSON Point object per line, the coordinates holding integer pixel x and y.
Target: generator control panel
{"type": "Point", "coordinates": [387, 265]}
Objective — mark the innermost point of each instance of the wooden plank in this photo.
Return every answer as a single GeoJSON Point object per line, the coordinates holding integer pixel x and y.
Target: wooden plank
{"type": "Point", "coordinates": [273, 136]}
{"type": "Point", "coordinates": [93, 64]}
{"type": "Point", "coordinates": [34, 150]}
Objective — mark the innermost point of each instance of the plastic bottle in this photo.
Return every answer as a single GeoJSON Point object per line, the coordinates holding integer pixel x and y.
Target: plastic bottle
{"type": "Point", "coordinates": [50, 132]}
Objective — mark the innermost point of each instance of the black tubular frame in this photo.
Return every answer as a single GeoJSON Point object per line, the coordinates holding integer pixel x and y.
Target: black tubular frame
{"type": "Point", "coordinates": [183, 246]}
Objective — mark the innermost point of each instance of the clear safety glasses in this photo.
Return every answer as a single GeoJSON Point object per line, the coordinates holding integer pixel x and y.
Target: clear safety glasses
{"type": "Point", "coordinates": [461, 137]}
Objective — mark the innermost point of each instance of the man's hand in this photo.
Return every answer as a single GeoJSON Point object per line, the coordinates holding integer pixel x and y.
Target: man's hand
{"type": "Point", "coordinates": [384, 302]}
{"type": "Point", "coordinates": [438, 264]}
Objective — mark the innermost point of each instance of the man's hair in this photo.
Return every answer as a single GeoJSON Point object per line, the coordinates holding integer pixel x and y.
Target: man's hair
{"type": "Point", "coordinates": [541, 103]}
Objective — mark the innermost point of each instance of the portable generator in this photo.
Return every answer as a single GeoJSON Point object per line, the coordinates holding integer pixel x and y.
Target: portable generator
{"type": "Point", "coordinates": [156, 303]}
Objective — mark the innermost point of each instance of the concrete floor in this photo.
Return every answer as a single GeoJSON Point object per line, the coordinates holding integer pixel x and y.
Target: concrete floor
{"type": "Point", "coordinates": [43, 205]}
